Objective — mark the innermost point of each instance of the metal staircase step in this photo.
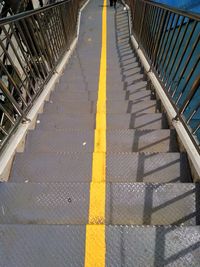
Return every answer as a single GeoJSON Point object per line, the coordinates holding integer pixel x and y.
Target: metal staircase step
{"type": "Point", "coordinates": [52, 167]}
{"type": "Point", "coordinates": [112, 95]}
{"type": "Point", "coordinates": [153, 204]}
{"type": "Point", "coordinates": [74, 87]}
{"type": "Point", "coordinates": [136, 121]}
{"type": "Point", "coordinates": [70, 107]}
{"type": "Point", "coordinates": [71, 88]}
{"type": "Point", "coordinates": [113, 107]}
{"type": "Point", "coordinates": [114, 121]}
{"type": "Point", "coordinates": [90, 84]}
{"type": "Point", "coordinates": [117, 141]}
{"type": "Point", "coordinates": [120, 167]}
{"type": "Point", "coordinates": [126, 203]}
{"type": "Point", "coordinates": [60, 141]}
{"type": "Point", "coordinates": [147, 167]}
{"type": "Point", "coordinates": [67, 121]}
{"type": "Point", "coordinates": [84, 96]}
{"type": "Point", "coordinates": [42, 245]}
{"type": "Point", "coordinates": [64, 245]}
{"type": "Point", "coordinates": [141, 141]}
{"type": "Point", "coordinates": [153, 246]}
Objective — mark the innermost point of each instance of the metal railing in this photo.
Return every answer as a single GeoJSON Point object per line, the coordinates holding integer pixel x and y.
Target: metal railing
{"type": "Point", "coordinates": [31, 46]}
{"type": "Point", "coordinates": [170, 40]}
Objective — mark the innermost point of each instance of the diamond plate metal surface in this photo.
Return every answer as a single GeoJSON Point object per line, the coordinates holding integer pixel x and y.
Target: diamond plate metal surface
{"type": "Point", "coordinates": [147, 167]}
{"type": "Point", "coordinates": [120, 167]}
{"type": "Point", "coordinates": [52, 167]}
{"type": "Point", "coordinates": [147, 106]}
{"type": "Point", "coordinates": [88, 95]}
{"type": "Point", "coordinates": [141, 141]}
{"type": "Point", "coordinates": [53, 203]}
{"type": "Point", "coordinates": [155, 204]}
{"type": "Point", "coordinates": [67, 121]}
{"type": "Point", "coordinates": [60, 141]}
{"type": "Point", "coordinates": [126, 203]}
{"type": "Point", "coordinates": [70, 107]}
{"type": "Point", "coordinates": [114, 121]}
{"type": "Point", "coordinates": [135, 246]}
{"type": "Point", "coordinates": [62, 106]}
{"type": "Point", "coordinates": [132, 121]}
{"type": "Point", "coordinates": [141, 94]}
{"type": "Point", "coordinates": [42, 245]}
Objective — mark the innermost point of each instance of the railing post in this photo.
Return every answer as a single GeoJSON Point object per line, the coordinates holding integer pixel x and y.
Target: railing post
{"type": "Point", "coordinates": [164, 16]}
{"type": "Point", "coordinates": [142, 22]}
{"type": "Point", "coordinates": [195, 86]}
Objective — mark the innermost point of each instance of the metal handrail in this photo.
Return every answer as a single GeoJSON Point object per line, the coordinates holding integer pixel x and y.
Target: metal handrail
{"type": "Point", "coordinates": [170, 40]}
{"type": "Point", "coordinates": [31, 46]}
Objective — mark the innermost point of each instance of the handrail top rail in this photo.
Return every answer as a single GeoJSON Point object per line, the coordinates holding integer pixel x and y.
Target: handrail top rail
{"type": "Point", "coordinates": [27, 14]}
{"type": "Point", "coordinates": [178, 11]}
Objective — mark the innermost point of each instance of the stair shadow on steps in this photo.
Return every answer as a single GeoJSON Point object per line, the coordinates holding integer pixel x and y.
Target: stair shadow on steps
{"type": "Point", "coordinates": [150, 205]}
{"type": "Point", "coordinates": [182, 252]}
{"type": "Point", "coordinates": [164, 142]}
{"type": "Point", "coordinates": [162, 165]}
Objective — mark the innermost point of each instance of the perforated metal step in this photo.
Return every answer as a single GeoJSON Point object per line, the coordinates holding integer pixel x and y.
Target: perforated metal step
{"type": "Point", "coordinates": [122, 167]}
{"type": "Point", "coordinates": [63, 245]}
{"type": "Point", "coordinates": [126, 203]}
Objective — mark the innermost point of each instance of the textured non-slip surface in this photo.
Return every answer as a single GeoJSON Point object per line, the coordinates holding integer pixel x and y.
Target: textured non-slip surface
{"type": "Point", "coordinates": [114, 121]}
{"type": "Point", "coordinates": [126, 203]}
{"type": "Point", "coordinates": [141, 141]}
{"type": "Point", "coordinates": [117, 141]}
{"type": "Point", "coordinates": [120, 167]}
{"type": "Point", "coordinates": [42, 245]}
{"type": "Point", "coordinates": [127, 246]}
{"type": "Point", "coordinates": [45, 207]}
{"type": "Point", "coordinates": [52, 167]}
{"type": "Point", "coordinates": [147, 167]}
{"type": "Point", "coordinates": [170, 246]}
{"type": "Point", "coordinates": [60, 141]}
{"type": "Point", "coordinates": [54, 203]}
{"type": "Point", "coordinates": [124, 106]}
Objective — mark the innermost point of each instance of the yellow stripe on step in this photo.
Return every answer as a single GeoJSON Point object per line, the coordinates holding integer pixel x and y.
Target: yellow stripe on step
{"type": "Point", "coordinates": [95, 246]}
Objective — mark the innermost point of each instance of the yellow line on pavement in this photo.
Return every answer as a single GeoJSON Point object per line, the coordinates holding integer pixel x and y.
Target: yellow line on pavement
{"type": "Point", "coordinates": [95, 245]}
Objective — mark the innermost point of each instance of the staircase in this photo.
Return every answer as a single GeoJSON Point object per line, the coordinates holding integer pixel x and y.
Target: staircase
{"type": "Point", "coordinates": [152, 206]}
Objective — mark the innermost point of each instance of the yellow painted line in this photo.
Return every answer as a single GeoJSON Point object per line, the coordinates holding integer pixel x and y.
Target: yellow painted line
{"type": "Point", "coordinates": [95, 244]}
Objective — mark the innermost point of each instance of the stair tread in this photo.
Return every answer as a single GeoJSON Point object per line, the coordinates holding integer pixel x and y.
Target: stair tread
{"type": "Point", "coordinates": [163, 140]}
{"type": "Point", "coordinates": [126, 203]}
{"type": "Point", "coordinates": [92, 96]}
{"type": "Point", "coordinates": [114, 121]}
{"type": "Point", "coordinates": [123, 106]}
{"type": "Point", "coordinates": [169, 245]}
{"type": "Point", "coordinates": [120, 167]}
